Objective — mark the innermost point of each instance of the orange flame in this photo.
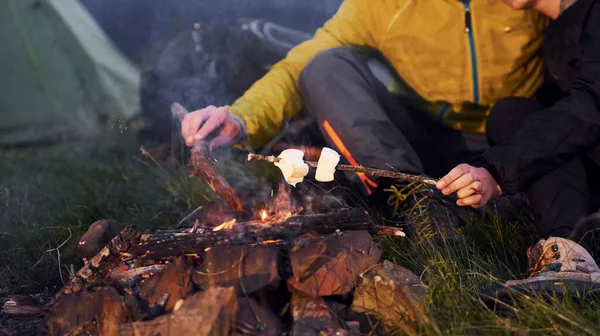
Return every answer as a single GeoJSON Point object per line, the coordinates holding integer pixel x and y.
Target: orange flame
{"type": "Point", "coordinates": [263, 215]}
{"type": "Point", "coordinates": [227, 225]}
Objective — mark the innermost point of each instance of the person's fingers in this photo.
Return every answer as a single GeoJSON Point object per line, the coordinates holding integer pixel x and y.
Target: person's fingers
{"type": "Point", "coordinates": [217, 118]}
{"type": "Point", "coordinates": [469, 190]}
{"type": "Point", "coordinates": [473, 200]}
{"type": "Point", "coordinates": [454, 174]}
{"type": "Point", "coordinates": [191, 123]}
{"type": "Point", "coordinates": [463, 181]}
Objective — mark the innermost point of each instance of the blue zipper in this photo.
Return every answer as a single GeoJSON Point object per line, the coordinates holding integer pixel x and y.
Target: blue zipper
{"type": "Point", "coordinates": [469, 31]}
{"type": "Point", "coordinates": [443, 112]}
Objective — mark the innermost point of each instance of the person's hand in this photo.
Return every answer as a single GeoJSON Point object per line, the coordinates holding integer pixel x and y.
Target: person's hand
{"type": "Point", "coordinates": [197, 125]}
{"type": "Point", "coordinates": [473, 186]}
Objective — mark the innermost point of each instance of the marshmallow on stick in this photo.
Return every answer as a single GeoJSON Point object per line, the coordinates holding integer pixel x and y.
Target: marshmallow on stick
{"type": "Point", "coordinates": [357, 169]}
{"type": "Point", "coordinates": [292, 166]}
{"type": "Point", "coordinates": [326, 165]}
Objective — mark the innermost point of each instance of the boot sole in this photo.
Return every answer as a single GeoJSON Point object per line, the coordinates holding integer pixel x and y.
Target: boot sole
{"type": "Point", "coordinates": [578, 286]}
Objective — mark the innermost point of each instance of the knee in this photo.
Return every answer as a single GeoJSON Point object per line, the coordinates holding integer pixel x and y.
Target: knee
{"type": "Point", "coordinates": [319, 69]}
{"type": "Point", "coordinates": [500, 124]}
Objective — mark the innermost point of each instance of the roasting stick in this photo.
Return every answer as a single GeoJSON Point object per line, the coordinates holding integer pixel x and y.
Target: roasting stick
{"type": "Point", "coordinates": [358, 169]}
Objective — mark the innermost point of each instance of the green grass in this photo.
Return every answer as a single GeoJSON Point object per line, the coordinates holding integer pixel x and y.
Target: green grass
{"type": "Point", "coordinates": [457, 272]}
{"type": "Point", "coordinates": [49, 195]}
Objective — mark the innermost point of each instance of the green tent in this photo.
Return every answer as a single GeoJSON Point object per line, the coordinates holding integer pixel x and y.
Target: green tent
{"type": "Point", "coordinates": [60, 76]}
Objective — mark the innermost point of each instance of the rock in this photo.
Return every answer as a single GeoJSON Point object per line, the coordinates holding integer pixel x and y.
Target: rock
{"type": "Point", "coordinates": [100, 310]}
{"type": "Point", "coordinates": [391, 293]}
{"type": "Point", "coordinates": [331, 265]}
{"type": "Point", "coordinates": [110, 311]}
{"type": "Point", "coordinates": [73, 314]}
{"type": "Point", "coordinates": [173, 280]}
{"type": "Point", "coordinates": [253, 319]}
{"type": "Point", "coordinates": [207, 313]}
{"type": "Point", "coordinates": [248, 269]}
{"type": "Point", "coordinates": [353, 328]}
{"type": "Point", "coordinates": [98, 235]}
{"type": "Point", "coordinates": [336, 308]}
{"type": "Point", "coordinates": [312, 317]}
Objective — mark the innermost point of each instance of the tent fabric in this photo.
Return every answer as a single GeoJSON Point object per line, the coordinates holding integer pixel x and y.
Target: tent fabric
{"type": "Point", "coordinates": [59, 73]}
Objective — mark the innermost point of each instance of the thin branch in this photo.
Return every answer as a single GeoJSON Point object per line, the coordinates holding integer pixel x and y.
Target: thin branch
{"type": "Point", "coordinates": [57, 249]}
{"type": "Point", "coordinates": [358, 169]}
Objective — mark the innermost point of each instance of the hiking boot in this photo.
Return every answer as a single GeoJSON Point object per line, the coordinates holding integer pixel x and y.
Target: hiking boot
{"type": "Point", "coordinates": [556, 266]}
{"type": "Point", "coordinates": [559, 257]}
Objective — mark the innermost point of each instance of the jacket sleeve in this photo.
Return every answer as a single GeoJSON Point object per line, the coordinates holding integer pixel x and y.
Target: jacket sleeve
{"type": "Point", "coordinates": [275, 96]}
{"type": "Point", "coordinates": [552, 137]}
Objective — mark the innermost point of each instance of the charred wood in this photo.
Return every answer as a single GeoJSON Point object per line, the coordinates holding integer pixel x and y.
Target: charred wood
{"type": "Point", "coordinates": [177, 242]}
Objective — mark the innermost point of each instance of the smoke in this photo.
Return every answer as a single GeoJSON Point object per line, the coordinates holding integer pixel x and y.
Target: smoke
{"type": "Point", "coordinates": [139, 27]}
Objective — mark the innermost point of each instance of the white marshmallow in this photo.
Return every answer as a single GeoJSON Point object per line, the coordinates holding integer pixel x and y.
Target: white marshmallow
{"type": "Point", "coordinates": [326, 165]}
{"type": "Point", "coordinates": [292, 166]}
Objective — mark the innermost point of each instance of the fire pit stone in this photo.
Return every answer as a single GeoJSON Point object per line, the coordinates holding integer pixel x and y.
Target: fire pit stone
{"type": "Point", "coordinates": [391, 293]}
{"type": "Point", "coordinates": [207, 313]}
{"type": "Point", "coordinates": [174, 281]}
{"type": "Point", "coordinates": [248, 269]}
{"type": "Point", "coordinates": [98, 235]}
{"type": "Point", "coordinates": [332, 264]}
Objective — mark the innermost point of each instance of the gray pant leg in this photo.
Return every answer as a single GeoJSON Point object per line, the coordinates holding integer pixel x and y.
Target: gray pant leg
{"type": "Point", "coordinates": [352, 108]}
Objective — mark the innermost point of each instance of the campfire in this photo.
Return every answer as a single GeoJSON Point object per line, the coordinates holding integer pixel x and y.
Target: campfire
{"type": "Point", "coordinates": [231, 270]}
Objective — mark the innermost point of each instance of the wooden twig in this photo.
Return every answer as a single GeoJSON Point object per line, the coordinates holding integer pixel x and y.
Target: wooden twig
{"type": "Point", "coordinates": [358, 169]}
{"type": "Point", "coordinates": [201, 162]}
{"type": "Point", "coordinates": [106, 260]}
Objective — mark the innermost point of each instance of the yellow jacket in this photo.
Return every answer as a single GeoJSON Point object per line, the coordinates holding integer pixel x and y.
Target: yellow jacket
{"type": "Point", "coordinates": [467, 55]}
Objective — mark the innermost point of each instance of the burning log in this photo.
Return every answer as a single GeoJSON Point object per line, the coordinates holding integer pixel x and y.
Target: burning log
{"type": "Point", "coordinates": [358, 169]}
{"type": "Point", "coordinates": [176, 242]}
{"type": "Point", "coordinates": [129, 275]}
{"type": "Point", "coordinates": [105, 261]}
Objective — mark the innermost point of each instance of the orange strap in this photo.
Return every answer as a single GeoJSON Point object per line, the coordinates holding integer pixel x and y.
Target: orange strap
{"type": "Point", "coordinates": [346, 153]}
